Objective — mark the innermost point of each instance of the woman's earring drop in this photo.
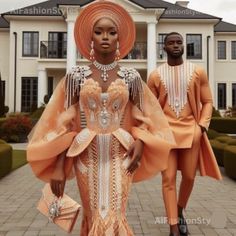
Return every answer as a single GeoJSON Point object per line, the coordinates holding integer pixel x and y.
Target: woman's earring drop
{"type": "Point", "coordinates": [117, 51]}
{"type": "Point", "coordinates": [92, 51]}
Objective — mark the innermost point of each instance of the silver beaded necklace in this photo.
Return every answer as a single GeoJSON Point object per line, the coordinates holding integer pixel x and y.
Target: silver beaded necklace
{"type": "Point", "coordinates": [105, 68]}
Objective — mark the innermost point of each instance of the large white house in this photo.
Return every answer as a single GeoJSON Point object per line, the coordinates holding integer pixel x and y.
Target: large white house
{"type": "Point", "coordinates": [37, 47]}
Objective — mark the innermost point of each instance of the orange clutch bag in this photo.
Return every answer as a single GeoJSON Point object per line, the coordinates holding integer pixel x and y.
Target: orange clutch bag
{"type": "Point", "coordinates": [63, 211]}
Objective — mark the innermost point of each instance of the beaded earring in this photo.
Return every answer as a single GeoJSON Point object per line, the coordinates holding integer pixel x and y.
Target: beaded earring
{"type": "Point", "coordinates": [117, 51]}
{"type": "Point", "coordinates": [92, 51]}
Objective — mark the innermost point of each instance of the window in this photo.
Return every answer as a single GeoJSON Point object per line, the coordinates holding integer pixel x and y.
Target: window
{"type": "Point", "coordinates": [57, 44]}
{"type": "Point", "coordinates": [30, 44]}
{"type": "Point", "coordinates": [139, 51]}
{"type": "Point", "coordinates": [234, 95]}
{"type": "Point", "coordinates": [194, 46]}
{"type": "Point", "coordinates": [2, 88]}
{"type": "Point", "coordinates": [50, 86]}
{"type": "Point", "coordinates": [161, 54]}
{"type": "Point", "coordinates": [233, 50]}
{"type": "Point", "coordinates": [221, 96]}
{"type": "Point", "coordinates": [29, 94]}
{"type": "Point", "coordinates": [221, 50]}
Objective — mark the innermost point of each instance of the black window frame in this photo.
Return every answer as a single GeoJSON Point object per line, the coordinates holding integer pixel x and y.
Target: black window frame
{"type": "Point", "coordinates": [193, 57]}
{"type": "Point", "coordinates": [222, 105]}
{"type": "Point", "coordinates": [218, 48]}
{"type": "Point", "coordinates": [233, 50]}
{"type": "Point", "coordinates": [32, 54]}
{"type": "Point", "coordinates": [233, 94]}
{"type": "Point", "coordinates": [33, 103]}
{"type": "Point", "coordinates": [59, 46]}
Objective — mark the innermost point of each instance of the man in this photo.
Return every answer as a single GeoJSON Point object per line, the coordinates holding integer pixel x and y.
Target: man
{"type": "Point", "coordinates": [184, 94]}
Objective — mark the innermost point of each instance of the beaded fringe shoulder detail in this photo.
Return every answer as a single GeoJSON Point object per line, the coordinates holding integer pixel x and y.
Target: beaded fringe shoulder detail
{"type": "Point", "coordinates": [74, 80]}
{"type": "Point", "coordinates": [133, 81]}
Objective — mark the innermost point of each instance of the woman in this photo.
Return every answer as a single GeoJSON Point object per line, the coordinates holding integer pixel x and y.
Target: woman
{"type": "Point", "coordinates": [126, 137]}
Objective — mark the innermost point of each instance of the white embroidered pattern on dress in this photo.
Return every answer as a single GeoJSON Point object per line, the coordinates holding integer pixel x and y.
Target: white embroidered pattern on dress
{"type": "Point", "coordinates": [176, 80]}
{"type": "Point", "coordinates": [82, 136]}
{"type": "Point", "coordinates": [103, 145]}
{"type": "Point", "coordinates": [92, 174]}
{"type": "Point", "coordinates": [117, 192]}
{"type": "Point", "coordinates": [104, 174]}
{"type": "Point", "coordinates": [104, 117]}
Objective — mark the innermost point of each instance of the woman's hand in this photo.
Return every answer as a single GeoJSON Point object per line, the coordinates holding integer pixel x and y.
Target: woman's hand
{"type": "Point", "coordinates": [58, 178]}
{"type": "Point", "coordinates": [136, 151]}
{"type": "Point", "coordinates": [57, 182]}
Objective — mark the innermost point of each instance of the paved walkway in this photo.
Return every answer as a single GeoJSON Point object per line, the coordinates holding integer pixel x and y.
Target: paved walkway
{"type": "Point", "coordinates": [211, 210]}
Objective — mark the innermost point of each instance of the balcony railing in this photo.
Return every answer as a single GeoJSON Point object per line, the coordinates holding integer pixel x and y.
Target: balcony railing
{"type": "Point", "coordinates": [58, 50]}
{"type": "Point", "coordinates": [53, 49]}
{"type": "Point", "coordinates": [139, 51]}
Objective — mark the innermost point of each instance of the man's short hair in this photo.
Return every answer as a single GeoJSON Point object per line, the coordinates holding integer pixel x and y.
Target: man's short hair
{"type": "Point", "coordinates": [172, 33]}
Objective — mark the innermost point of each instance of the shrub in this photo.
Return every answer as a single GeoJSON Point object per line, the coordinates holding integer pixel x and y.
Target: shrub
{"type": "Point", "coordinates": [215, 113]}
{"type": "Point", "coordinates": [232, 142]}
{"type": "Point", "coordinates": [5, 159]}
{"type": "Point", "coordinates": [212, 134]}
{"type": "Point", "coordinates": [224, 139]}
{"type": "Point", "coordinates": [37, 113]}
{"type": "Point", "coordinates": [15, 128]}
{"type": "Point", "coordinates": [218, 149]}
{"type": "Point", "coordinates": [223, 125]}
{"type": "Point", "coordinates": [2, 142]}
{"type": "Point", "coordinates": [230, 161]}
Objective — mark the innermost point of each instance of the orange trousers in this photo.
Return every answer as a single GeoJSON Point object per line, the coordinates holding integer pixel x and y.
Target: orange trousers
{"type": "Point", "coordinates": [186, 160]}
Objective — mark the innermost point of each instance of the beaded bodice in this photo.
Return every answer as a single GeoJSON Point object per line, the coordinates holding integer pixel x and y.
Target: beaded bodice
{"type": "Point", "coordinates": [104, 110]}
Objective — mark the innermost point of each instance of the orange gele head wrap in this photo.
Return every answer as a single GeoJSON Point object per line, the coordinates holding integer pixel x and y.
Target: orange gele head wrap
{"type": "Point", "coordinates": [104, 9]}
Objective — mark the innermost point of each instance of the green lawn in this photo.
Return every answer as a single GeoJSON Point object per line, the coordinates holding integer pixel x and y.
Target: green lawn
{"type": "Point", "coordinates": [18, 158]}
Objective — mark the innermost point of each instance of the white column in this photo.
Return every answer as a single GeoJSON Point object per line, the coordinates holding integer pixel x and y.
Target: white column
{"type": "Point", "coordinates": [42, 86]}
{"type": "Point", "coordinates": [71, 46]}
{"type": "Point", "coordinates": [229, 94]}
{"type": "Point", "coordinates": [151, 46]}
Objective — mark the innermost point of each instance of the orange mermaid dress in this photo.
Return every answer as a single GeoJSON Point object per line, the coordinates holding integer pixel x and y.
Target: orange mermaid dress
{"type": "Point", "coordinates": [95, 153]}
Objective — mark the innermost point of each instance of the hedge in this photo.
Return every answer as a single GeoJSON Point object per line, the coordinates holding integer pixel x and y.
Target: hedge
{"type": "Point", "coordinates": [37, 113]}
{"type": "Point", "coordinates": [223, 125]}
{"type": "Point", "coordinates": [2, 120]}
{"type": "Point", "coordinates": [212, 134]}
{"type": "Point", "coordinates": [230, 161]}
{"type": "Point", "coordinates": [218, 149]}
{"type": "Point", "coordinates": [5, 158]}
{"type": "Point", "coordinates": [232, 142]}
{"type": "Point", "coordinates": [224, 139]}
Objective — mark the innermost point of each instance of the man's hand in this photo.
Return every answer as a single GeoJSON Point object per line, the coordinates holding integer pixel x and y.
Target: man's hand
{"type": "Point", "coordinates": [203, 129]}
{"type": "Point", "coordinates": [136, 151]}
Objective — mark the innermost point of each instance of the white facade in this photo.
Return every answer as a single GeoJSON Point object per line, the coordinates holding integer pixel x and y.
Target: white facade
{"type": "Point", "coordinates": [148, 26]}
{"type": "Point", "coordinates": [225, 68]}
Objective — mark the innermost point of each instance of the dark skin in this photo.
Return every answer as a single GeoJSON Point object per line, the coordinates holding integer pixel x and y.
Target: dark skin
{"type": "Point", "coordinates": [105, 37]}
{"type": "Point", "coordinates": [174, 48]}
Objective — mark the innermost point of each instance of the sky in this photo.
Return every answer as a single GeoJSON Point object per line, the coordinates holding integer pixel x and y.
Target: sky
{"type": "Point", "coordinates": [225, 9]}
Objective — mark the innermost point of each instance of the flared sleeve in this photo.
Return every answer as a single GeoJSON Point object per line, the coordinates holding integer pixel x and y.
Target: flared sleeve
{"type": "Point", "coordinates": [151, 126]}
{"type": "Point", "coordinates": [53, 133]}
